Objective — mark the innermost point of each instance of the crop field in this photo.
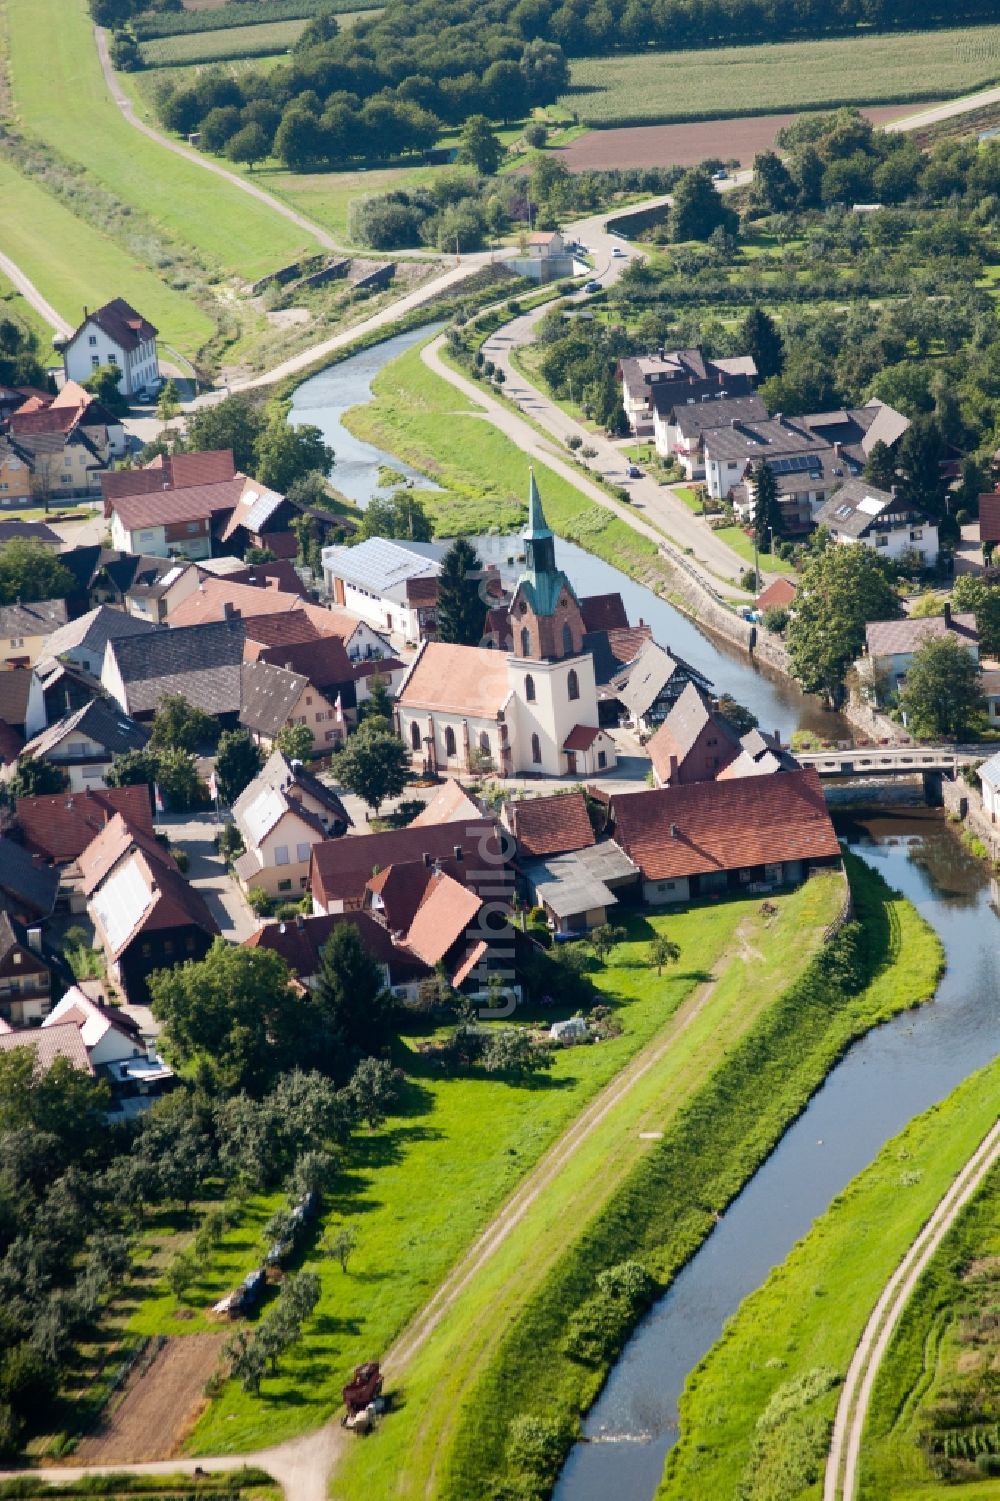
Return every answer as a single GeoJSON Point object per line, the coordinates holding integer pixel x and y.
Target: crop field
{"type": "Point", "coordinates": [662, 87]}
{"type": "Point", "coordinates": [56, 77]}
{"type": "Point", "coordinates": [220, 46]}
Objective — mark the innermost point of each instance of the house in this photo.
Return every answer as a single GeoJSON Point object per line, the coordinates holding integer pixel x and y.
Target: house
{"type": "Point", "coordinates": [24, 630]}
{"type": "Point", "coordinates": [175, 522]}
{"type": "Point", "coordinates": [705, 838]}
{"type": "Point", "coordinates": [779, 595]}
{"type": "Point", "coordinates": [546, 257]}
{"type": "Point", "coordinates": [281, 816]}
{"type": "Point", "coordinates": [390, 584]}
{"type": "Point", "coordinates": [22, 705]}
{"type": "Point", "coordinates": [66, 458]}
{"type": "Point", "coordinates": [117, 1049]}
{"type": "Point", "coordinates": [49, 1044]}
{"type": "Point", "coordinates": [227, 599]}
{"type": "Point", "coordinates": [680, 425]}
{"type": "Point", "coordinates": [476, 853]}
{"type": "Point", "coordinates": [25, 977]}
{"type": "Point", "coordinates": [154, 588]}
{"type": "Point", "coordinates": [305, 622]}
{"type": "Point", "coordinates": [646, 689]}
{"type": "Point", "coordinates": [84, 744]}
{"type": "Point", "coordinates": [325, 665]}
{"type": "Point", "coordinates": [178, 471]}
{"type": "Point", "coordinates": [301, 940]}
{"type": "Point", "coordinates": [83, 641]}
{"type": "Point", "coordinates": [693, 744]}
{"type": "Point", "coordinates": [989, 781]}
{"type": "Point", "coordinates": [64, 688]}
{"type": "Point", "coordinates": [603, 612]}
{"type": "Point", "coordinates": [890, 646]}
{"type": "Point", "coordinates": [859, 513]}
{"type": "Point", "coordinates": [549, 825]}
{"type": "Point", "coordinates": [273, 697]}
{"type": "Point", "coordinates": [761, 755]}
{"type": "Point", "coordinates": [260, 518]}
{"type": "Point", "coordinates": [72, 409]}
{"type": "Point", "coordinates": [806, 468]}
{"type": "Point", "coordinates": [114, 334]}
{"type": "Point", "coordinates": [59, 826]}
{"type": "Point", "coordinates": [449, 804]}
{"type": "Point", "coordinates": [17, 466]}
{"type": "Point", "coordinates": [146, 916]}
{"type": "Point", "coordinates": [678, 377]}
{"type": "Point", "coordinates": [28, 887]}
{"type": "Point", "coordinates": [203, 662]}
{"type": "Point", "coordinates": [534, 710]}
{"type": "Point", "coordinates": [579, 888]}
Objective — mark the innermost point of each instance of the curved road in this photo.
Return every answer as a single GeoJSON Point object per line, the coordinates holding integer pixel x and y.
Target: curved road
{"type": "Point", "coordinates": [32, 295]}
{"type": "Point", "coordinates": [840, 1482]}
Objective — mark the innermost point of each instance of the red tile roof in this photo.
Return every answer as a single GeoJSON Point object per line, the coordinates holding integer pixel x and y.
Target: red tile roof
{"type": "Point", "coordinates": [778, 595]}
{"type": "Point", "coordinates": [60, 827]}
{"type": "Point", "coordinates": [172, 472]}
{"type": "Point", "coordinates": [342, 868]}
{"type": "Point", "coordinates": [168, 507]}
{"type": "Point", "coordinates": [581, 737]}
{"type": "Point", "coordinates": [471, 680]}
{"type": "Point", "coordinates": [722, 826]}
{"type": "Point", "coordinates": [989, 517]}
{"type": "Point", "coordinates": [445, 915]}
{"type": "Point", "coordinates": [324, 661]}
{"type": "Point", "coordinates": [264, 631]}
{"type": "Point", "coordinates": [550, 825]}
{"type": "Point", "coordinates": [604, 612]}
{"type": "Point", "coordinates": [280, 572]}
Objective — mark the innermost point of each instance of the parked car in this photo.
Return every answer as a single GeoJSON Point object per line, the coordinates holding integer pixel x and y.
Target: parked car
{"type": "Point", "coordinates": [592, 286]}
{"type": "Point", "coordinates": [721, 176]}
{"type": "Point", "coordinates": [618, 251]}
{"type": "Point", "coordinates": [151, 391]}
{"type": "Point", "coordinates": [634, 472]}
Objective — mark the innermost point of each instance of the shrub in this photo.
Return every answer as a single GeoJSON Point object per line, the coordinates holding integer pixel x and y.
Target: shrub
{"type": "Point", "coordinates": [261, 905]}
{"type": "Point", "coordinates": [598, 1328]}
{"type": "Point", "coordinates": [776, 620]}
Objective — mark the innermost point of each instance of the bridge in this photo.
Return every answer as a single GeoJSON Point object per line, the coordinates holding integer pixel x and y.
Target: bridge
{"type": "Point", "coordinates": [933, 762]}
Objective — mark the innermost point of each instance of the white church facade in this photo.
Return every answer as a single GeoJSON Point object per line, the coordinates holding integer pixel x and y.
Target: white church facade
{"type": "Point", "coordinates": [532, 711]}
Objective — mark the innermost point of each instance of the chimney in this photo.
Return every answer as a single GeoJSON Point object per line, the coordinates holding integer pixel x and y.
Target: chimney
{"type": "Point", "coordinates": [459, 854]}
{"type": "Point", "coordinates": [777, 738]}
{"type": "Point", "coordinates": [947, 616]}
{"type": "Point", "coordinates": [228, 610]}
{"type": "Point", "coordinates": [836, 448]}
{"type": "Point", "coordinates": [779, 418]}
{"type": "Point", "coordinates": [721, 377]}
{"type": "Point", "coordinates": [674, 831]}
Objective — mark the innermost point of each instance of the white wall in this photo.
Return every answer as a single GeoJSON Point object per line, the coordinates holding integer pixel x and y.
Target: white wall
{"type": "Point", "coordinates": [92, 348]}
{"type": "Point", "coordinates": [553, 713]}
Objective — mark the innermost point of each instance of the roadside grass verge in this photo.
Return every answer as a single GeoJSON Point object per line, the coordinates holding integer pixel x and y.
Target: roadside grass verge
{"type": "Point", "coordinates": [73, 265]}
{"type": "Point", "coordinates": [421, 1187]}
{"type": "Point", "coordinates": [809, 1316]}
{"type": "Point", "coordinates": [745, 1091]}
{"type": "Point", "coordinates": [56, 77]}
{"type": "Point", "coordinates": [892, 67]}
{"type": "Point", "coordinates": [938, 1376]}
{"type": "Point", "coordinates": [236, 1485]}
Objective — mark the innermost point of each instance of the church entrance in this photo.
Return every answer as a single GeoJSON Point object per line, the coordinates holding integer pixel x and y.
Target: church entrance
{"type": "Point", "coordinates": [571, 763]}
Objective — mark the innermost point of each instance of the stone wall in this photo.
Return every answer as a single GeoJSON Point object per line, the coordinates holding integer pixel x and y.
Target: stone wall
{"type": "Point", "coordinates": [966, 803]}
{"type": "Point", "coordinates": [703, 604]}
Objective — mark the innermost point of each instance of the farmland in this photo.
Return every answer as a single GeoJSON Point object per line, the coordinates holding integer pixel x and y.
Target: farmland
{"type": "Point", "coordinates": [266, 39]}
{"type": "Point", "coordinates": [662, 87]}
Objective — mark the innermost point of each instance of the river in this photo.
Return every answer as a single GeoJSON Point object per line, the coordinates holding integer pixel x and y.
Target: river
{"type": "Point", "coordinates": [886, 1078]}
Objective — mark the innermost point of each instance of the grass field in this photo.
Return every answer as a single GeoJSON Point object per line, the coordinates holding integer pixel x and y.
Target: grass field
{"type": "Point", "coordinates": [649, 87]}
{"type": "Point", "coordinates": [216, 46]}
{"type": "Point", "coordinates": [73, 265]}
{"type": "Point", "coordinates": [56, 77]}
{"type": "Point", "coordinates": [422, 1186]}
{"type": "Point", "coordinates": [13, 305]}
{"type": "Point", "coordinates": [808, 1317]}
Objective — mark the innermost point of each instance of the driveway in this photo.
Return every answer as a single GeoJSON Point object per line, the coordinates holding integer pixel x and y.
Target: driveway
{"type": "Point", "coordinates": [195, 835]}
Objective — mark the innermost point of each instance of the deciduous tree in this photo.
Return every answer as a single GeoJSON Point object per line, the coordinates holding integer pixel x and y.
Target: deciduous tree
{"type": "Point", "coordinates": [943, 693]}
{"type": "Point", "coordinates": [842, 589]}
{"type": "Point", "coordinates": [237, 762]}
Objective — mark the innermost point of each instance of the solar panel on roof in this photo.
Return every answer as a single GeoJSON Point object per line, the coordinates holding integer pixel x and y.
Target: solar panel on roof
{"type": "Point", "coordinates": [797, 464]}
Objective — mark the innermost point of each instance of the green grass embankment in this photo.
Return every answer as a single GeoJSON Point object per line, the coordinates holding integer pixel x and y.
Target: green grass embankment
{"type": "Point", "coordinates": [757, 1412]}
{"type": "Point", "coordinates": [756, 1082]}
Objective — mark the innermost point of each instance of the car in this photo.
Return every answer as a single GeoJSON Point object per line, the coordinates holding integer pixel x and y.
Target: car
{"type": "Point", "coordinates": [151, 390]}
{"type": "Point", "coordinates": [619, 251]}
{"type": "Point", "coordinates": [634, 472]}
{"type": "Point", "coordinates": [593, 286]}
{"type": "Point", "coordinates": [721, 176]}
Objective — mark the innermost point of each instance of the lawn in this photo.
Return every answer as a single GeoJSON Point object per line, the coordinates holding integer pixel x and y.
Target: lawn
{"type": "Point", "coordinates": [810, 1314]}
{"type": "Point", "coordinates": [651, 87]}
{"type": "Point", "coordinates": [422, 1186]}
{"type": "Point", "coordinates": [14, 305]}
{"type": "Point", "coordinates": [73, 265]}
{"type": "Point", "coordinates": [56, 77]}
{"type": "Point", "coordinates": [500, 1350]}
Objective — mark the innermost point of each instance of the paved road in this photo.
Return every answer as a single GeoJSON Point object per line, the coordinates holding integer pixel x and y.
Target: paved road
{"type": "Point", "coordinates": [209, 874]}
{"type": "Point", "coordinates": [840, 1481]}
{"type": "Point", "coordinates": [946, 111]}
{"type": "Point", "coordinates": [31, 294]}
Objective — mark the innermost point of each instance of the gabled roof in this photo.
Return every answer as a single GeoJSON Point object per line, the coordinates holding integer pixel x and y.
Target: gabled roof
{"type": "Point", "coordinates": [99, 720]}
{"type": "Point", "coordinates": [550, 825]}
{"type": "Point", "coordinates": [300, 941]}
{"type": "Point", "coordinates": [323, 661]}
{"type": "Point", "coordinates": [59, 827]}
{"type": "Point", "coordinates": [120, 322]}
{"type": "Point", "coordinates": [290, 777]}
{"type": "Point", "coordinates": [92, 1018]}
{"type": "Point", "coordinates": [29, 531]}
{"type": "Point", "coordinates": [222, 598]}
{"type": "Point", "coordinates": [446, 911]}
{"type": "Point", "coordinates": [614, 649]}
{"type": "Point", "coordinates": [383, 566]}
{"type": "Point", "coordinates": [704, 827]}
{"type": "Point", "coordinates": [14, 936]}
{"type": "Point", "coordinates": [263, 810]}
{"type": "Point", "coordinates": [342, 868]}
{"type": "Point", "coordinates": [989, 517]}
{"type": "Point", "coordinates": [702, 416]}
{"type": "Point", "coordinates": [38, 619]}
{"type": "Point", "coordinates": [142, 894]}
{"type": "Point", "coordinates": [279, 630]}
{"type": "Point", "coordinates": [582, 736]}
{"type": "Point", "coordinates": [171, 471]}
{"type": "Point", "coordinates": [48, 1044]}
{"type": "Point", "coordinates": [15, 686]}
{"type": "Point", "coordinates": [93, 631]}
{"type": "Point", "coordinates": [575, 883]}
{"type": "Point", "coordinates": [471, 680]}
{"type": "Point", "coordinates": [856, 508]}
{"type": "Point", "coordinates": [269, 694]}
{"type": "Point", "coordinates": [26, 884]}
{"type": "Point", "coordinates": [254, 508]}
{"type": "Point", "coordinates": [603, 612]}
{"type": "Point", "coordinates": [890, 638]}
{"type": "Point", "coordinates": [449, 804]}
{"type": "Point", "coordinates": [642, 681]}
{"type": "Point", "coordinates": [170, 507]}
{"type": "Point", "coordinates": [778, 595]}
{"type": "Point", "coordinates": [201, 661]}
{"type": "Point", "coordinates": [118, 837]}
{"type": "Point", "coordinates": [677, 735]}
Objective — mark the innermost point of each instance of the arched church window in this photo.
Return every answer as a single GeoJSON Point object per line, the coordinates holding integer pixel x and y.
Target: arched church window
{"type": "Point", "coordinates": [449, 741]}
{"type": "Point", "coordinates": [525, 641]}
{"type": "Point", "coordinates": [573, 684]}
{"type": "Point", "coordinates": [536, 749]}
{"type": "Point", "coordinates": [529, 688]}
{"type": "Point", "coordinates": [415, 735]}
{"type": "Point", "coordinates": [568, 642]}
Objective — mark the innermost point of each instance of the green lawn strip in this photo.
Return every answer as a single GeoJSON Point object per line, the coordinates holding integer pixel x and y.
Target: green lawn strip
{"type": "Point", "coordinates": [420, 1189]}
{"type": "Point", "coordinates": [811, 1311]}
{"type": "Point", "coordinates": [56, 76]}
{"type": "Point", "coordinates": [892, 67]}
{"type": "Point", "coordinates": [736, 538]}
{"type": "Point", "coordinates": [404, 1460]}
{"type": "Point", "coordinates": [667, 1206]}
{"type": "Point", "coordinates": [73, 265]}
{"type": "Point", "coordinates": [937, 1374]}
{"type": "Point", "coordinates": [236, 1485]}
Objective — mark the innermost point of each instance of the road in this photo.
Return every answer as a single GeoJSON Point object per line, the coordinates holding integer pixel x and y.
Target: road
{"type": "Point", "coordinates": [946, 111]}
{"type": "Point", "coordinates": [840, 1481]}
{"type": "Point", "coordinates": [32, 295]}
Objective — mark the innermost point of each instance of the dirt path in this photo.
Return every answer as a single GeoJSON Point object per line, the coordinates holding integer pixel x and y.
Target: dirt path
{"type": "Point", "coordinates": [31, 294]}
{"type": "Point", "coordinates": [841, 1478]}
{"type": "Point", "coordinates": [158, 1403]}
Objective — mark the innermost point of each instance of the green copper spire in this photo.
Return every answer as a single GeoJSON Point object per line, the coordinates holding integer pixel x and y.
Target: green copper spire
{"type": "Point", "coordinates": [537, 525]}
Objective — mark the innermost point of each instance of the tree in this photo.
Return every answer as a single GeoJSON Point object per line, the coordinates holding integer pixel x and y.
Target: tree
{"type": "Point", "coordinates": [104, 383]}
{"type": "Point", "coordinates": [919, 455]}
{"type": "Point", "coordinates": [237, 762]}
{"type": "Point", "coordinates": [372, 1090]}
{"type": "Point", "coordinates": [132, 767]}
{"type": "Point", "coordinates": [286, 454]}
{"type": "Point", "coordinates": [842, 589]}
{"type": "Point", "coordinates": [250, 145]}
{"type": "Point", "coordinates": [402, 516]}
{"type": "Point", "coordinates": [374, 763]}
{"type": "Point", "coordinates": [766, 512]}
{"type": "Point", "coordinates": [479, 146]}
{"type": "Point", "coordinates": [29, 571]}
{"type": "Point", "coordinates": [234, 1010]}
{"type": "Point", "coordinates": [178, 725]}
{"type": "Point", "coordinates": [177, 778]}
{"type": "Point", "coordinates": [351, 1009]}
{"type": "Point", "coordinates": [943, 695]}
{"type": "Point", "coordinates": [880, 467]}
{"type": "Point", "coordinates": [300, 139]}
{"type": "Point", "coordinates": [169, 405]}
{"type": "Point", "coordinates": [663, 951]}
{"type": "Point", "coordinates": [35, 778]}
{"type": "Point", "coordinates": [378, 704]}
{"type": "Point", "coordinates": [604, 938]}
{"type": "Point", "coordinates": [234, 423]}
{"type": "Point", "coordinates": [758, 336]}
{"type": "Point", "coordinates": [971, 592]}
{"type": "Point", "coordinates": [341, 1245]}
{"type": "Point", "coordinates": [296, 741]}
{"type": "Point", "coordinates": [461, 610]}
{"type": "Point", "coordinates": [773, 188]}
{"type": "Point", "coordinates": [698, 208]}
{"type": "Point", "coordinates": [738, 715]}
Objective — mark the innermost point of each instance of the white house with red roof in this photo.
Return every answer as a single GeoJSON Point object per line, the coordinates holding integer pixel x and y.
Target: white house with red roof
{"type": "Point", "coordinates": [114, 334]}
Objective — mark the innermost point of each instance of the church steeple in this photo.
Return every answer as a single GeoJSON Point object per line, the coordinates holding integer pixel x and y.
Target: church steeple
{"type": "Point", "coordinates": [539, 544]}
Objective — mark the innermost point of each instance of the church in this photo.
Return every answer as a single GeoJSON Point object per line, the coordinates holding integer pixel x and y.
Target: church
{"type": "Point", "coordinates": [529, 711]}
